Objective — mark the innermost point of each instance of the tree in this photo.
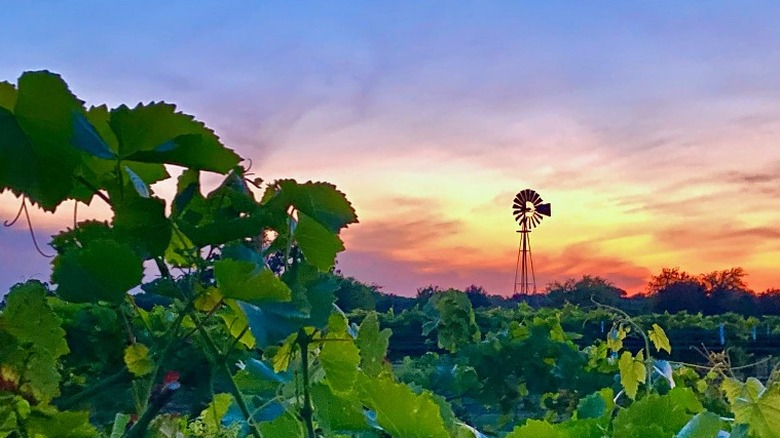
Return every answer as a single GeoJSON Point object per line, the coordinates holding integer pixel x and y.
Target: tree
{"type": "Point", "coordinates": [478, 296]}
{"type": "Point", "coordinates": [768, 302]}
{"type": "Point", "coordinates": [584, 292]}
{"type": "Point", "coordinates": [351, 294]}
{"type": "Point", "coordinates": [728, 292]}
{"type": "Point", "coordinates": [666, 278]}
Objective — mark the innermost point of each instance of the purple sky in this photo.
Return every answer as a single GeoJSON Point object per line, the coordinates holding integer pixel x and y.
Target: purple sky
{"type": "Point", "coordinates": [652, 127]}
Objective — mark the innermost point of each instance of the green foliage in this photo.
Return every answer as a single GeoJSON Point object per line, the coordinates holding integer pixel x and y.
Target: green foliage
{"type": "Point", "coordinates": [657, 336]}
{"type": "Point", "coordinates": [399, 411]}
{"type": "Point", "coordinates": [453, 319]}
{"type": "Point", "coordinates": [755, 405]}
{"type": "Point", "coordinates": [632, 372]}
{"type": "Point", "coordinates": [250, 315]}
{"type": "Point", "coordinates": [102, 270]}
{"type": "Point", "coordinates": [373, 345]}
{"type": "Point", "coordinates": [339, 356]}
{"type": "Point", "coordinates": [641, 418]}
{"type": "Point", "coordinates": [137, 360]}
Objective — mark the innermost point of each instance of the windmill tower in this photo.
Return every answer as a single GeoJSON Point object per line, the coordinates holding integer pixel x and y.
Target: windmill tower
{"type": "Point", "coordinates": [529, 210]}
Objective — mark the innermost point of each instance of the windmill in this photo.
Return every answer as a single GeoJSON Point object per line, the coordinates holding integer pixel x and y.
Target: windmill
{"type": "Point", "coordinates": [529, 210]}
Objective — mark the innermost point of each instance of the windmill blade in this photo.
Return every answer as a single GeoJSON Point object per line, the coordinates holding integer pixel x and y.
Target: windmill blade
{"type": "Point", "coordinates": [544, 209]}
{"type": "Point", "coordinates": [535, 198]}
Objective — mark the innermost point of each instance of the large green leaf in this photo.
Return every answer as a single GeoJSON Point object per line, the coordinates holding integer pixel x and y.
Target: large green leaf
{"type": "Point", "coordinates": [336, 413]}
{"type": "Point", "coordinates": [702, 425]}
{"type": "Point", "coordinates": [320, 201]}
{"type": "Point", "coordinates": [103, 270]}
{"type": "Point", "coordinates": [596, 405]}
{"type": "Point", "coordinates": [7, 95]}
{"type": "Point", "coordinates": [141, 223]}
{"type": "Point", "coordinates": [68, 424]}
{"type": "Point", "coordinates": [399, 411]}
{"type": "Point", "coordinates": [285, 426]}
{"type": "Point", "coordinates": [36, 341]}
{"type": "Point", "coordinates": [339, 356]}
{"type": "Point", "coordinates": [658, 336]}
{"type": "Point", "coordinates": [373, 345]}
{"type": "Point", "coordinates": [632, 372]}
{"type": "Point", "coordinates": [318, 244]}
{"type": "Point", "coordinates": [45, 110]}
{"type": "Point", "coordinates": [27, 171]}
{"type": "Point", "coordinates": [755, 405]}
{"type": "Point", "coordinates": [156, 133]}
{"type": "Point", "coordinates": [657, 415]}
{"type": "Point", "coordinates": [248, 282]}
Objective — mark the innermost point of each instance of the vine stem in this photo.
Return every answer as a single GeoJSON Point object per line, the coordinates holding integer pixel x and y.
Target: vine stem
{"type": "Point", "coordinates": [99, 386]}
{"type": "Point", "coordinates": [626, 317]}
{"type": "Point", "coordinates": [306, 410]}
{"type": "Point", "coordinates": [234, 390]}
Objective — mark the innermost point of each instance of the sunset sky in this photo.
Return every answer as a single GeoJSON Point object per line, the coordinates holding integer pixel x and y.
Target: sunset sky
{"type": "Point", "coordinates": [653, 128]}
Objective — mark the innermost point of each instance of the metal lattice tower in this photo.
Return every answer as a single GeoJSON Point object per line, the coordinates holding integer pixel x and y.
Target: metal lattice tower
{"type": "Point", "coordinates": [529, 210]}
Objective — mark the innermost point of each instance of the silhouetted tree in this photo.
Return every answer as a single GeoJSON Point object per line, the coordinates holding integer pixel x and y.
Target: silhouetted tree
{"type": "Point", "coordinates": [674, 290]}
{"type": "Point", "coordinates": [768, 302]}
{"type": "Point", "coordinates": [478, 296]}
{"type": "Point", "coordinates": [666, 278]}
{"type": "Point", "coordinates": [584, 292]}
{"type": "Point", "coordinates": [425, 293]}
{"type": "Point", "coordinates": [351, 294]}
{"type": "Point", "coordinates": [728, 292]}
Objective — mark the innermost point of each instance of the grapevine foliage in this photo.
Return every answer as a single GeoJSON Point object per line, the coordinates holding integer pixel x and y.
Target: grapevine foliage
{"type": "Point", "coordinates": [212, 314]}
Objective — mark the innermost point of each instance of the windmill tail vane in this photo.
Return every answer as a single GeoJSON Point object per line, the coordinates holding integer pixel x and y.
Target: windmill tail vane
{"type": "Point", "coordinates": [528, 209]}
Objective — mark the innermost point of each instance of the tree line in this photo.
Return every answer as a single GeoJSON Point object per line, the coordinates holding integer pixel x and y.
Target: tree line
{"type": "Point", "coordinates": [672, 290]}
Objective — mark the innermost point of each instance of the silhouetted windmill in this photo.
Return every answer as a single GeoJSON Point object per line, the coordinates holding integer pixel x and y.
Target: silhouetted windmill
{"type": "Point", "coordinates": [529, 210]}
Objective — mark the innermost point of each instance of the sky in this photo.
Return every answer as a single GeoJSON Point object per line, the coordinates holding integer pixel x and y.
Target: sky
{"type": "Point", "coordinates": [651, 127]}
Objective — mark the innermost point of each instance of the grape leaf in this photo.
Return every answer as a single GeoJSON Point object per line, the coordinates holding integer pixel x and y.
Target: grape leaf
{"type": "Point", "coordinates": [320, 201]}
{"type": "Point", "coordinates": [755, 405]}
{"type": "Point", "coordinates": [336, 413]}
{"type": "Point", "coordinates": [318, 244]}
{"type": "Point", "coordinates": [36, 341]}
{"type": "Point", "coordinates": [702, 425]}
{"type": "Point", "coordinates": [616, 337]}
{"type": "Point", "coordinates": [657, 415]}
{"type": "Point", "coordinates": [7, 95]}
{"type": "Point", "coordinates": [284, 426]}
{"type": "Point", "coordinates": [536, 429]}
{"type": "Point", "coordinates": [141, 223]}
{"type": "Point", "coordinates": [339, 356]}
{"type": "Point", "coordinates": [632, 372]}
{"type": "Point", "coordinates": [156, 133]}
{"type": "Point", "coordinates": [658, 336]}
{"type": "Point", "coordinates": [237, 324]}
{"type": "Point", "coordinates": [399, 411]}
{"type": "Point", "coordinates": [29, 319]}
{"type": "Point", "coordinates": [102, 270]}
{"type": "Point", "coordinates": [68, 424]}
{"type": "Point", "coordinates": [246, 281]}
{"type": "Point", "coordinates": [212, 415]}
{"type": "Point", "coordinates": [137, 359]}
{"type": "Point", "coordinates": [45, 109]}
{"type": "Point", "coordinates": [373, 345]}
{"type": "Point", "coordinates": [596, 405]}
{"type": "Point", "coordinates": [86, 138]}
